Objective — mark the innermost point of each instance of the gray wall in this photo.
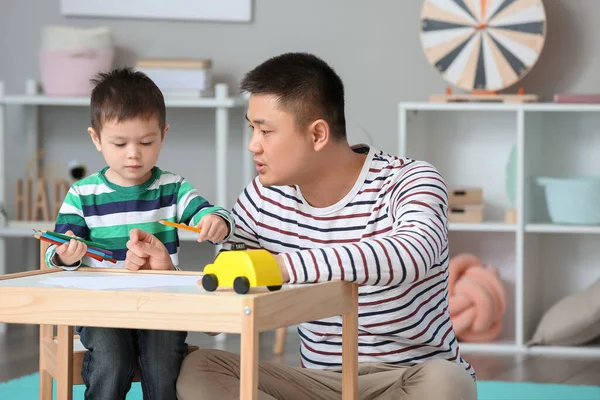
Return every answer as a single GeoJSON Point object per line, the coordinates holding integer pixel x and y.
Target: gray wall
{"type": "Point", "coordinates": [374, 45]}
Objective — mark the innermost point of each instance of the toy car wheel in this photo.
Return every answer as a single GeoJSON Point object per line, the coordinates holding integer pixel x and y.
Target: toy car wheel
{"type": "Point", "coordinates": [210, 282]}
{"type": "Point", "coordinates": [241, 285]}
{"type": "Point", "coordinates": [274, 288]}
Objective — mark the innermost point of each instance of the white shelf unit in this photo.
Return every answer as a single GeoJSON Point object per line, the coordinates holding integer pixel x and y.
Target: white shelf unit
{"type": "Point", "coordinates": [222, 103]}
{"type": "Point", "coordinates": [540, 262]}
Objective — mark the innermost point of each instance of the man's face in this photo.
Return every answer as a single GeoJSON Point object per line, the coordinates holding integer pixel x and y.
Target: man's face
{"type": "Point", "coordinates": [282, 152]}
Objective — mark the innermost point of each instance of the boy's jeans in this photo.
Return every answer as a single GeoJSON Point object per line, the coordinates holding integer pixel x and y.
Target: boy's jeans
{"type": "Point", "coordinates": [108, 364]}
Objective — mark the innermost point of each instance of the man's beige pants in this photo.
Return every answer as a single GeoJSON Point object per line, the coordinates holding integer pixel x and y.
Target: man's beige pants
{"type": "Point", "coordinates": [215, 375]}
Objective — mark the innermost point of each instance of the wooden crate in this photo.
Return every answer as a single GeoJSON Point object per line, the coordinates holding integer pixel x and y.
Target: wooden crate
{"type": "Point", "coordinates": [467, 213]}
{"type": "Point", "coordinates": [465, 196]}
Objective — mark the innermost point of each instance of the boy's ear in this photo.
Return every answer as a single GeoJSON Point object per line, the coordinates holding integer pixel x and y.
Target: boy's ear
{"type": "Point", "coordinates": [95, 138]}
{"type": "Point", "coordinates": [164, 131]}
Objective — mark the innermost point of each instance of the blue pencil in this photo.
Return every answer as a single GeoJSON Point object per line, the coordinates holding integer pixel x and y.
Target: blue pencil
{"type": "Point", "coordinates": [92, 251]}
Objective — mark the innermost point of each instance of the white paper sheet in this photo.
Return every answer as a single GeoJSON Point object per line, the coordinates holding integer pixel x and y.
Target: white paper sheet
{"type": "Point", "coordinates": [119, 281]}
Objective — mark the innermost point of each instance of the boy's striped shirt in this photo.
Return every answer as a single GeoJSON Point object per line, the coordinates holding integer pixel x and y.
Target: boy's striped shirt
{"type": "Point", "coordinates": [98, 210]}
{"type": "Point", "coordinates": [390, 234]}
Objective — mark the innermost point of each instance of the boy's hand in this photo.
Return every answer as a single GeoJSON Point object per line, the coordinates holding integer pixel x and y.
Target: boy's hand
{"type": "Point", "coordinates": [71, 252]}
{"type": "Point", "coordinates": [214, 228]}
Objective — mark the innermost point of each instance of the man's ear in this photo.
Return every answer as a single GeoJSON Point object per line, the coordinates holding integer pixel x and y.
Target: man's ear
{"type": "Point", "coordinates": [164, 133]}
{"type": "Point", "coordinates": [95, 138]}
{"type": "Point", "coordinates": [319, 133]}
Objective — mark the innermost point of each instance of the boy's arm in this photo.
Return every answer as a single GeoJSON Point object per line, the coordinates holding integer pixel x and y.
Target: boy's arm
{"type": "Point", "coordinates": [70, 217]}
{"type": "Point", "coordinates": [414, 245]}
{"type": "Point", "coordinates": [244, 226]}
{"type": "Point", "coordinates": [191, 207]}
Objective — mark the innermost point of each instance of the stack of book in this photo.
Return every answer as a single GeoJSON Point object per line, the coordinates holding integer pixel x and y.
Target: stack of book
{"type": "Point", "coordinates": [189, 78]}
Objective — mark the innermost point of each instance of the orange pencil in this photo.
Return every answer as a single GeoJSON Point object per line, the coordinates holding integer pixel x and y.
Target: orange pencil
{"type": "Point", "coordinates": [180, 226]}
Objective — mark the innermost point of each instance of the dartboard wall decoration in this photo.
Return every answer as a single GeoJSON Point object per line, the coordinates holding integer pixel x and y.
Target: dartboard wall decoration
{"type": "Point", "coordinates": [480, 45]}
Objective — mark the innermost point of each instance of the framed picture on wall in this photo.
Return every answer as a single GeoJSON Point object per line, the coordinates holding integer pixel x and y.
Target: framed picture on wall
{"type": "Point", "coordinates": [207, 10]}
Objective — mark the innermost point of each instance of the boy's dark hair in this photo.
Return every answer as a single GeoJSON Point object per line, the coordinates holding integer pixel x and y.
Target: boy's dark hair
{"type": "Point", "coordinates": [305, 86]}
{"type": "Point", "coordinates": [123, 94]}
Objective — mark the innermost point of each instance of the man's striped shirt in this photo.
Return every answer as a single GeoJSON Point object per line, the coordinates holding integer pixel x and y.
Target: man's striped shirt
{"type": "Point", "coordinates": [390, 234]}
{"type": "Point", "coordinates": [98, 210]}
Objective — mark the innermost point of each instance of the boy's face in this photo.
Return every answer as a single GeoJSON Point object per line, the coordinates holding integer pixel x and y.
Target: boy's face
{"type": "Point", "coordinates": [130, 148]}
{"type": "Point", "coordinates": [282, 152]}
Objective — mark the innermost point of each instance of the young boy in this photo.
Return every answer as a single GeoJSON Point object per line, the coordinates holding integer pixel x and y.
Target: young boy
{"type": "Point", "coordinates": [110, 207]}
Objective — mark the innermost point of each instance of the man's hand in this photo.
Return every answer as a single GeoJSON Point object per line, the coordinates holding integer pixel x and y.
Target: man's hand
{"type": "Point", "coordinates": [214, 228]}
{"type": "Point", "coordinates": [284, 272]}
{"type": "Point", "coordinates": [145, 251]}
{"type": "Point", "coordinates": [69, 253]}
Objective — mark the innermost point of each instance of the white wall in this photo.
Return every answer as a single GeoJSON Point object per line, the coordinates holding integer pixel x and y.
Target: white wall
{"type": "Point", "coordinates": [374, 45]}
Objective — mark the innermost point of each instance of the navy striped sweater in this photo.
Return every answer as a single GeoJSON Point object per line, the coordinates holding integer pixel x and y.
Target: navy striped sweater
{"type": "Point", "coordinates": [389, 234]}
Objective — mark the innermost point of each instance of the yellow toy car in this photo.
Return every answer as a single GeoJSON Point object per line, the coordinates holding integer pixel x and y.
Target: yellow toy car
{"type": "Point", "coordinates": [242, 269]}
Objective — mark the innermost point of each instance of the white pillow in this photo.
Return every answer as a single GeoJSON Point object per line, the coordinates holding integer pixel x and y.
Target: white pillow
{"type": "Point", "coordinates": [573, 320]}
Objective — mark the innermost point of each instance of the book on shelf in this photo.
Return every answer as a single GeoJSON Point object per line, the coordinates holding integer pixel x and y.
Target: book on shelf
{"type": "Point", "coordinates": [187, 93]}
{"type": "Point", "coordinates": [175, 63]}
{"type": "Point", "coordinates": [179, 75]}
{"type": "Point", "coordinates": [577, 98]}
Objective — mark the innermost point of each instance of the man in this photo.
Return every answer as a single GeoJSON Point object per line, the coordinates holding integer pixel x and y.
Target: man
{"type": "Point", "coordinates": [327, 211]}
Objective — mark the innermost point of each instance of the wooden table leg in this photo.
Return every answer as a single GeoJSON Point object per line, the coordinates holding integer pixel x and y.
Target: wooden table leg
{"type": "Point", "coordinates": [64, 379]}
{"type": "Point", "coordinates": [350, 347]}
{"type": "Point", "coordinates": [280, 334]}
{"type": "Point", "coordinates": [249, 355]}
{"type": "Point", "coordinates": [46, 334]}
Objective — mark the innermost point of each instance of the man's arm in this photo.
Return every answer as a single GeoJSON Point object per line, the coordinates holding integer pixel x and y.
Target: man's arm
{"type": "Point", "coordinates": [418, 205]}
{"type": "Point", "coordinates": [70, 218]}
{"type": "Point", "coordinates": [145, 250]}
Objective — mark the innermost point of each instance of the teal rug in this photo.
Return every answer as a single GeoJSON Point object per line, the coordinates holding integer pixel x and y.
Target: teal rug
{"type": "Point", "coordinates": [27, 388]}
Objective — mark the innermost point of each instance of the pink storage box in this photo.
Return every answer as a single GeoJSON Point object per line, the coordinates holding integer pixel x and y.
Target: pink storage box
{"type": "Point", "coordinates": [68, 72]}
